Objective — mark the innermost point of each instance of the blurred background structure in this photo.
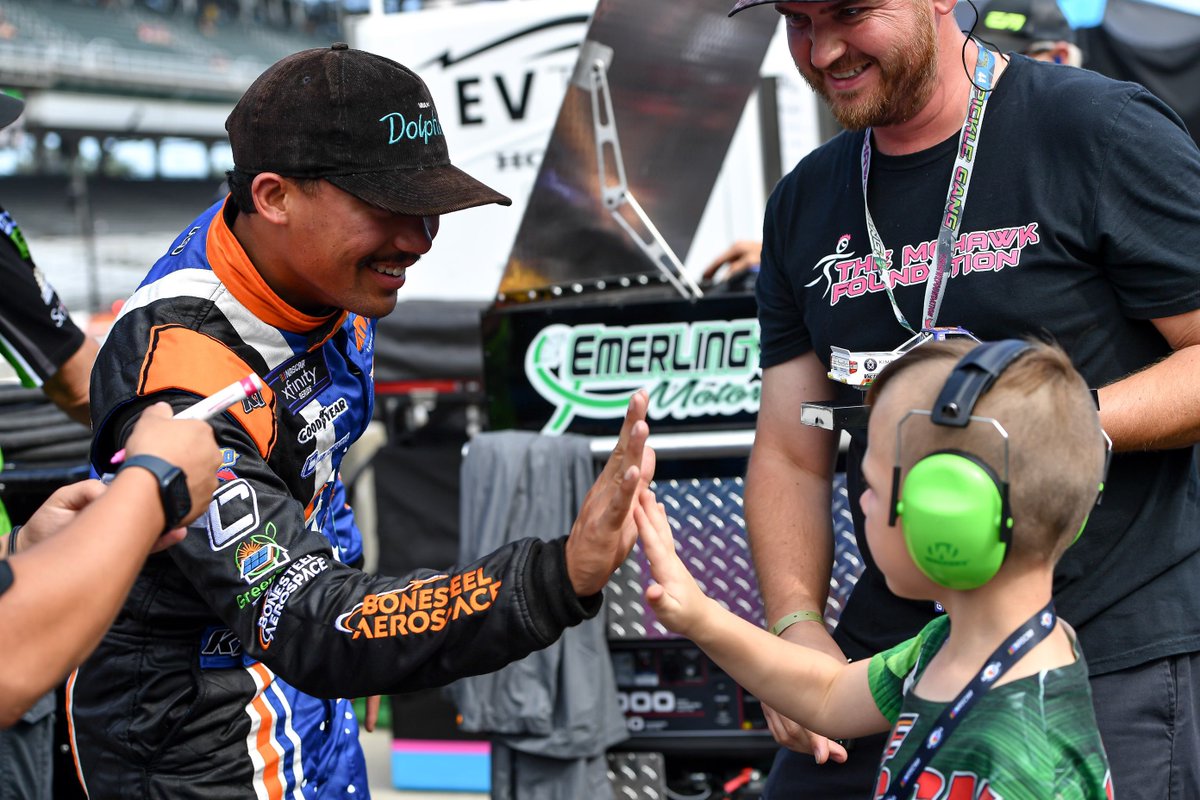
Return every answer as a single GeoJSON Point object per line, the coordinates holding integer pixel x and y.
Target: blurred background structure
{"type": "Point", "coordinates": [123, 138]}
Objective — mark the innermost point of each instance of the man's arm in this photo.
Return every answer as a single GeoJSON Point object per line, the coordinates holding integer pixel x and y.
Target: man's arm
{"type": "Point", "coordinates": [789, 521]}
{"type": "Point", "coordinates": [68, 388]}
{"type": "Point", "coordinates": [1159, 407]}
{"type": "Point", "coordinates": [79, 554]}
{"type": "Point", "coordinates": [788, 493]}
{"type": "Point", "coordinates": [37, 336]}
{"type": "Point", "coordinates": [333, 631]}
{"type": "Point", "coordinates": [741, 256]}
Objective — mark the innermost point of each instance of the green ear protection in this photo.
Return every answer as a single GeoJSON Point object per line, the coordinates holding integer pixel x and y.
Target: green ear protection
{"type": "Point", "coordinates": [952, 507]}
{"type": "Point", "coordinates": [1103, 479]}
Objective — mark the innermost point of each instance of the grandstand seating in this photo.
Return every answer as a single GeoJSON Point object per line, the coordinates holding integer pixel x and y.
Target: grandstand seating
{"type": "Point", "coordinates": [67, 44]}
{"type": "Point", "coordinates": [42, 204]}
{"type": "Point", "coordinates": [134, 223]}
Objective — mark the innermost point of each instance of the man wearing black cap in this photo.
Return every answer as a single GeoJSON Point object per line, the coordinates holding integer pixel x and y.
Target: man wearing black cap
{"type": "Point", "coordinates": [1036, 28]}
{"type": "Point", "coordinates": [221, 678]}
{"type": "Point", "coordinates": [1013, 198]}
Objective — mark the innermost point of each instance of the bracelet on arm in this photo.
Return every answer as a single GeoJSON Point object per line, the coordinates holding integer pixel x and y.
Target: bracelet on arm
{"type": "Point", "coordinates": [12, 540]}
{"type": "Point", "coordinates": [791, 619]}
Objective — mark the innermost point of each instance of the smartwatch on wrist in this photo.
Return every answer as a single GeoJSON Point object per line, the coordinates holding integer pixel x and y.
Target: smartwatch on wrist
{"type": "Point", "coordinates": [172, 486]}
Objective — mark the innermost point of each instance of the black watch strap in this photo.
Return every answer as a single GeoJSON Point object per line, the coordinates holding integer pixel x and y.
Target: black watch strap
{"type": "Point", "coordinates": [172, 486]}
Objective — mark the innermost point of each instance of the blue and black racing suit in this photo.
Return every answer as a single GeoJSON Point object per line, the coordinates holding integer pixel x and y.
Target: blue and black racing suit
{"type": "Point", "coordinates": [219, 678]}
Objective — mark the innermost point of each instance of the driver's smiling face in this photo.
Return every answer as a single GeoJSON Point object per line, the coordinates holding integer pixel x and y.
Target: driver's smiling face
{"type": "Point", "coordinates": [344, 253]}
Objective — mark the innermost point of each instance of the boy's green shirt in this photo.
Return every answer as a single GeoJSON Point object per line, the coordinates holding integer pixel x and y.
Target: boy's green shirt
{"type": "Point", "coordinates": [1034, 738]}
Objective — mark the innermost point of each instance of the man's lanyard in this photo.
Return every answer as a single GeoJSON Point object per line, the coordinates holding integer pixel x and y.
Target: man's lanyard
{"type": "Point", "coordinates": [1024, 639]}
{"type": "Point", "coordinates": [956, 201]}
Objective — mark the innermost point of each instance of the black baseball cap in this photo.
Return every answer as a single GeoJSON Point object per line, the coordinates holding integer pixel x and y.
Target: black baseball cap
{"type": "Point", "coordinates": [358, 120]}
{"type": "Point", "coordinates": [1016, 25]}
{"type": "Point", "coordinates": [10, 108]}
{"type": "Point", "coordinates": [742, 5]}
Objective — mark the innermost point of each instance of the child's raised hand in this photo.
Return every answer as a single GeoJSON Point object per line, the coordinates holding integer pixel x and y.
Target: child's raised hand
{"type": "Point", "coordinates": [675, 597]}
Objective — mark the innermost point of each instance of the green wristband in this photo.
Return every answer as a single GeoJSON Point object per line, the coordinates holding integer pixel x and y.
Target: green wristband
{"type": "Point", "coordinates": [796, 616]}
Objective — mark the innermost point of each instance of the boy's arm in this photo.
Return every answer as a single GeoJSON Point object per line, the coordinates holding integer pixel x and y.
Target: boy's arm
{"type": "Point", "coordinates": [811, 687]}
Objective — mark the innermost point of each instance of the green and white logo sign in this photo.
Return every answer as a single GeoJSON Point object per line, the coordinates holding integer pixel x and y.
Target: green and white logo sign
{"type": "Point", "coordinates": [690, 369]}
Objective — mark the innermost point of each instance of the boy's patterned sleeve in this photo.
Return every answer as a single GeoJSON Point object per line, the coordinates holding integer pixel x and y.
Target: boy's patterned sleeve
{"type": "Point", "coordinates": [888, 671]}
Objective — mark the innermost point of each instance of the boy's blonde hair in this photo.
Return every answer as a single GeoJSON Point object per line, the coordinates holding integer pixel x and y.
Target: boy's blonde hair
{"type": "Point", "coordinates": [1056, 447]}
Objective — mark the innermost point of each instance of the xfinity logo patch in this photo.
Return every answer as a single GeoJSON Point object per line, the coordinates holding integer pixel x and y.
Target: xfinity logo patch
{"type": "Point", "coordinates": [232, 514]}
{"type": "Point", "coordinates": [324, 418]}
{"type": "Point", "coordinates": [300, 380]}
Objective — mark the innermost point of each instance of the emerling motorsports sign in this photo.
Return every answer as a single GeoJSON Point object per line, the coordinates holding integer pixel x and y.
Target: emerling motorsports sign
{"type": "Point", "coordinates": [577, 374]}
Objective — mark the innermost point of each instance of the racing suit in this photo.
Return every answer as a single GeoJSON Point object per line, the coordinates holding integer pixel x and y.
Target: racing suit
{"type": "Point", "coordinates": [36, 334]}
{"type": "Point", "coordinates": [220, 676]}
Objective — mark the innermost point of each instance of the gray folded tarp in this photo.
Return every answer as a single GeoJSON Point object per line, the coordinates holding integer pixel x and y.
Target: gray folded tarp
{"type": "Point", "coordinates": [552, 715]}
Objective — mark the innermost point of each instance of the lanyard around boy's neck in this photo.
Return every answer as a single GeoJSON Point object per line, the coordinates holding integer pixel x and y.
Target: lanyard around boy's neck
{"type": "Point", "coordinates": [1024, 639]}
{"type": "Point", "coordinates": [956, 201]}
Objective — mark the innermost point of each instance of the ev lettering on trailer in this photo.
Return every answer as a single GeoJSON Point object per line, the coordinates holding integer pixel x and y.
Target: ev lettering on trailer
{"type": "Point", "coordinates": [468, 97]}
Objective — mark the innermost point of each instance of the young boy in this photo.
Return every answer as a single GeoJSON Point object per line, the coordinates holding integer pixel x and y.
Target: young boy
{"type": "Point", "coordinates": [990, 700]}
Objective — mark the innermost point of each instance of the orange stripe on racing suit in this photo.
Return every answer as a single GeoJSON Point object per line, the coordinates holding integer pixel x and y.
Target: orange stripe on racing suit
{"type": "Point", "coordinates": [179, 358]}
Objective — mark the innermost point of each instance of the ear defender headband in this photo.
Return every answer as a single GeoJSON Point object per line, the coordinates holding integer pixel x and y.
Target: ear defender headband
{"type": "Point", "coordinates": [1103, 479]}
{"type": "Point", "coordinates": [952, 507]}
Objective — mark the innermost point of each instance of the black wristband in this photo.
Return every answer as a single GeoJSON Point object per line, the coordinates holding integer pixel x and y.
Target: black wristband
{"type": "Point", "coordinates": [12, 540]}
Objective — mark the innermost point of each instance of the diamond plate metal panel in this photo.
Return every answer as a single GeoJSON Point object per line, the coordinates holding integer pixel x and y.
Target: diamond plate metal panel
{"type": "Point", "coordinates": [710, 535]}
{"type": "Point", "coordinates": [637, 776]}
{"type": "Point", "coordinates": [847, 562]}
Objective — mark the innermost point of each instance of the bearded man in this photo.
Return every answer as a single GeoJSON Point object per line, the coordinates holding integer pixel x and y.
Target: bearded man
{"type": "Point", "coordinates": [1010, 197]}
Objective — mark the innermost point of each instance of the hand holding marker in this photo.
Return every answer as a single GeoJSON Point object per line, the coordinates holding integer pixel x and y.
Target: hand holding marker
{"type": "Point", "coordinates": [214, 404]}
